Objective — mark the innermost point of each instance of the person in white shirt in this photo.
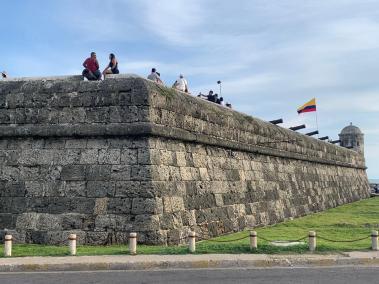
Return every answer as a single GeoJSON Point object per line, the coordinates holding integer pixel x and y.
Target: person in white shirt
{"type": "Point", "coordinates": [154, 76]}
{"type": "Point", "coordinates": [181, 84]}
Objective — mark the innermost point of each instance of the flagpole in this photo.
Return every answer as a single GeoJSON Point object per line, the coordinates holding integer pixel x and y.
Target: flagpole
{"type": "Point", "coordinates": [317, 124]}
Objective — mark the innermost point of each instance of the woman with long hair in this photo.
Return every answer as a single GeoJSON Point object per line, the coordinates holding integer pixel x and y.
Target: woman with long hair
{"type": "Point", "coordinates": [112, 67]}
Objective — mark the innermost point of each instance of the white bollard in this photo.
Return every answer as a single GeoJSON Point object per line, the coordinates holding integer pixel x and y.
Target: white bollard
{"type": "Point", "coordinates": [133, 243]}
{"type": "Point", "coordinates": [253, 240]}
{"type": "Point", "coordinates": [8, 245]}
{"type": "Point", "coordinates": [72, 244]}
{"type": "Point", "coordinates": [374, 240]}
{"type": "Point", "coordinates": [192, 242]}
{"type": "Point", "coordinates": [312, 240]}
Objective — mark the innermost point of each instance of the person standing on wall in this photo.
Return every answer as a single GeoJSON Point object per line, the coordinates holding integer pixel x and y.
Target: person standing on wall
{"type": "Point", "coordinates": [112, 67]}
{"type": "Point", "coordinates": [181, 84]}
{"type": "Point", "coordinates": [91, 65]}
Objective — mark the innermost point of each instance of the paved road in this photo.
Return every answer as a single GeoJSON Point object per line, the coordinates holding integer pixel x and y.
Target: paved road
{"type": "Point", "coordinates": [333, 275]}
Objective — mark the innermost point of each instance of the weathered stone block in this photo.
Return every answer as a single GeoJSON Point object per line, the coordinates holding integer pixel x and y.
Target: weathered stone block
{"type": "Point", "coordinates": [98, 238]}
{"type": "Point", "coordinates": [27, 221]}
{"type": "Point", "coordinates": [73, 172]}
{"type": "Point", "coordinates": [48, 222]}
{"type": "Point", "coordinates": [119, 205]}
{"type": "Point", "coordinates": [141, 173]}
{"type": "Point", "coordinates": [147, 205]}
{"type": "Point", "coordinates": [101, 205]}
{"type": "Point", "coordinates": [89, 156]}
{"type": "Point", "coordinates": [81, 205]}
{"type": "Point", "coordinates": [129, 156]}
{"type": "Point", "coordinates": [72, 189]}
{"type": "Point", "coordinates": [109, 156]}
{"type": "Point", "coordinates": [56, 237]}
{"type": "Point", "coordinates": [98, 172]}
{"type": "Point", "coordinates": [7, 220]}
{"type": "Point", "coordinates": [100, 189]}
{"type": "Point", "coordinates": [73, 221]}
{"type": "Point", "coordinates": [120, 172]}
{"type": "Point", "coordinates": [113, 222]}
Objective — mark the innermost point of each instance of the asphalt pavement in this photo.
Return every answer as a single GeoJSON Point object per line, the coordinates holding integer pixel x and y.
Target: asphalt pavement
{"type": "Point", "coordinates": [188, 261]}
{"type": "Point", "coordinates": [333, 275]}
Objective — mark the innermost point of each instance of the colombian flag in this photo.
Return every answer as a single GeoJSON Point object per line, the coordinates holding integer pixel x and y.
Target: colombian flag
{"type": "Point", "coordinates": [308, 107]}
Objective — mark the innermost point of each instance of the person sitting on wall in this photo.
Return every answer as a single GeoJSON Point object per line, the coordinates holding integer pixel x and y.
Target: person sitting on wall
{"type": "Point", "coordinates": [112, 67]}
{"type": "Point", "coordinates": [221, 101]}
{"type": "Point", "coordinates": [216, 99]}
{"type": "Point", "coordinates": [209, 97]}
{"type": "Point", "coordinates": [181, 84]}
{"type": "Point", "coordinates": [91, 65]}
{"type": "Point", "coordinates": [155, 76]}
{"type": "Point", "coordinates": [160, 80]}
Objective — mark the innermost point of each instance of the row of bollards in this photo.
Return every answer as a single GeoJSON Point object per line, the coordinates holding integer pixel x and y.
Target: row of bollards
{"type": "Point", "coordinates": [191, 242]}
{"type": "Point", "coordinates": [312, 241]}
{"type": "Point", "coordinates": [71, 244]}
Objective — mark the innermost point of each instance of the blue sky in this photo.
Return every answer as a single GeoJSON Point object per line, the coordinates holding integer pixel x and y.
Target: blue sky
{"type": "Point", "coordinates": [272, 56]}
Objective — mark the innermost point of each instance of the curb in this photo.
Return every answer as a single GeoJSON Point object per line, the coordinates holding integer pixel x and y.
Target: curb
{"type": "Point", "coordinates": [39, 264]}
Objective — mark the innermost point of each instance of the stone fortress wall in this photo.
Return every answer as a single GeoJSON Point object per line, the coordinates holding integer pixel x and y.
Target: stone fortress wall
{"type": "Point", "coordinates": [102, 159]}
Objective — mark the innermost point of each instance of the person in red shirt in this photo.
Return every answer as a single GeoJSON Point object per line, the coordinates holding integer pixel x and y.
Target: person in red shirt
{"type": "Point", "coordinates": [91, 65]}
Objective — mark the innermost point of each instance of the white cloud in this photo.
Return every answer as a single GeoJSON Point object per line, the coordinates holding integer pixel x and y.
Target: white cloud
{"type": "Point", "coordinates": [173, 21]}
{"type": "Point", "coordinates": [98, 21]}
{"type": "Point", "coordinates": [356, 101]}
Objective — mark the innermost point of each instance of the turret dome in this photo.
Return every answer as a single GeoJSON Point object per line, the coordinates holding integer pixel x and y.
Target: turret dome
{"type": "Point", "coordinates": [351, 129]}
{"type": "Point", "coordinates": [352, 137]}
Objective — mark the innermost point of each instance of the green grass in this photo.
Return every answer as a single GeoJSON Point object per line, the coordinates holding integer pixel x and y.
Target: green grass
{"type": "Point", "coordinates": [348, 222]}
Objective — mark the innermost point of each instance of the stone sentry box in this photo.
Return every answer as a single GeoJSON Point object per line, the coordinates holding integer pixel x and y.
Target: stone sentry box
{"type": "Point", "coordinates": [103, 159]}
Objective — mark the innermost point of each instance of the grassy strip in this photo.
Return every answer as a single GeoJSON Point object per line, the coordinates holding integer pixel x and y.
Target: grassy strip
{"type": "Point", "coordinates": [348, 222]}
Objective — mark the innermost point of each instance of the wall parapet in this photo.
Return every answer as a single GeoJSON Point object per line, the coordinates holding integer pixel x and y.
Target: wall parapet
{"type": "Point", "coordinates": [130, 105]}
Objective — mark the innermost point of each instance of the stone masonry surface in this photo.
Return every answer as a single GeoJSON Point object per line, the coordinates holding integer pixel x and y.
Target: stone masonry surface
{"type": "Point", "coordinates": [103, 159]}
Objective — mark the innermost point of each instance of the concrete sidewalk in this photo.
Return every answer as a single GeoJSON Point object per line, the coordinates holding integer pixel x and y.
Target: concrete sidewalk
{"type": "Point", "coordinates": [149, 262]}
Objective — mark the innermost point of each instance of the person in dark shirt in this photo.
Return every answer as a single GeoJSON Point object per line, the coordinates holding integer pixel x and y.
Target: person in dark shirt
{"type": "Point", "coordinates": [112, 67]}
{"type": "Point", "coordinates": [209, 97]}
{"type": "Point", "coordinates": [221, 101]}
{"type": "Point", "coordinates": [91, 65]}
{"type": "Point", "coordinates": [216, 99]}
